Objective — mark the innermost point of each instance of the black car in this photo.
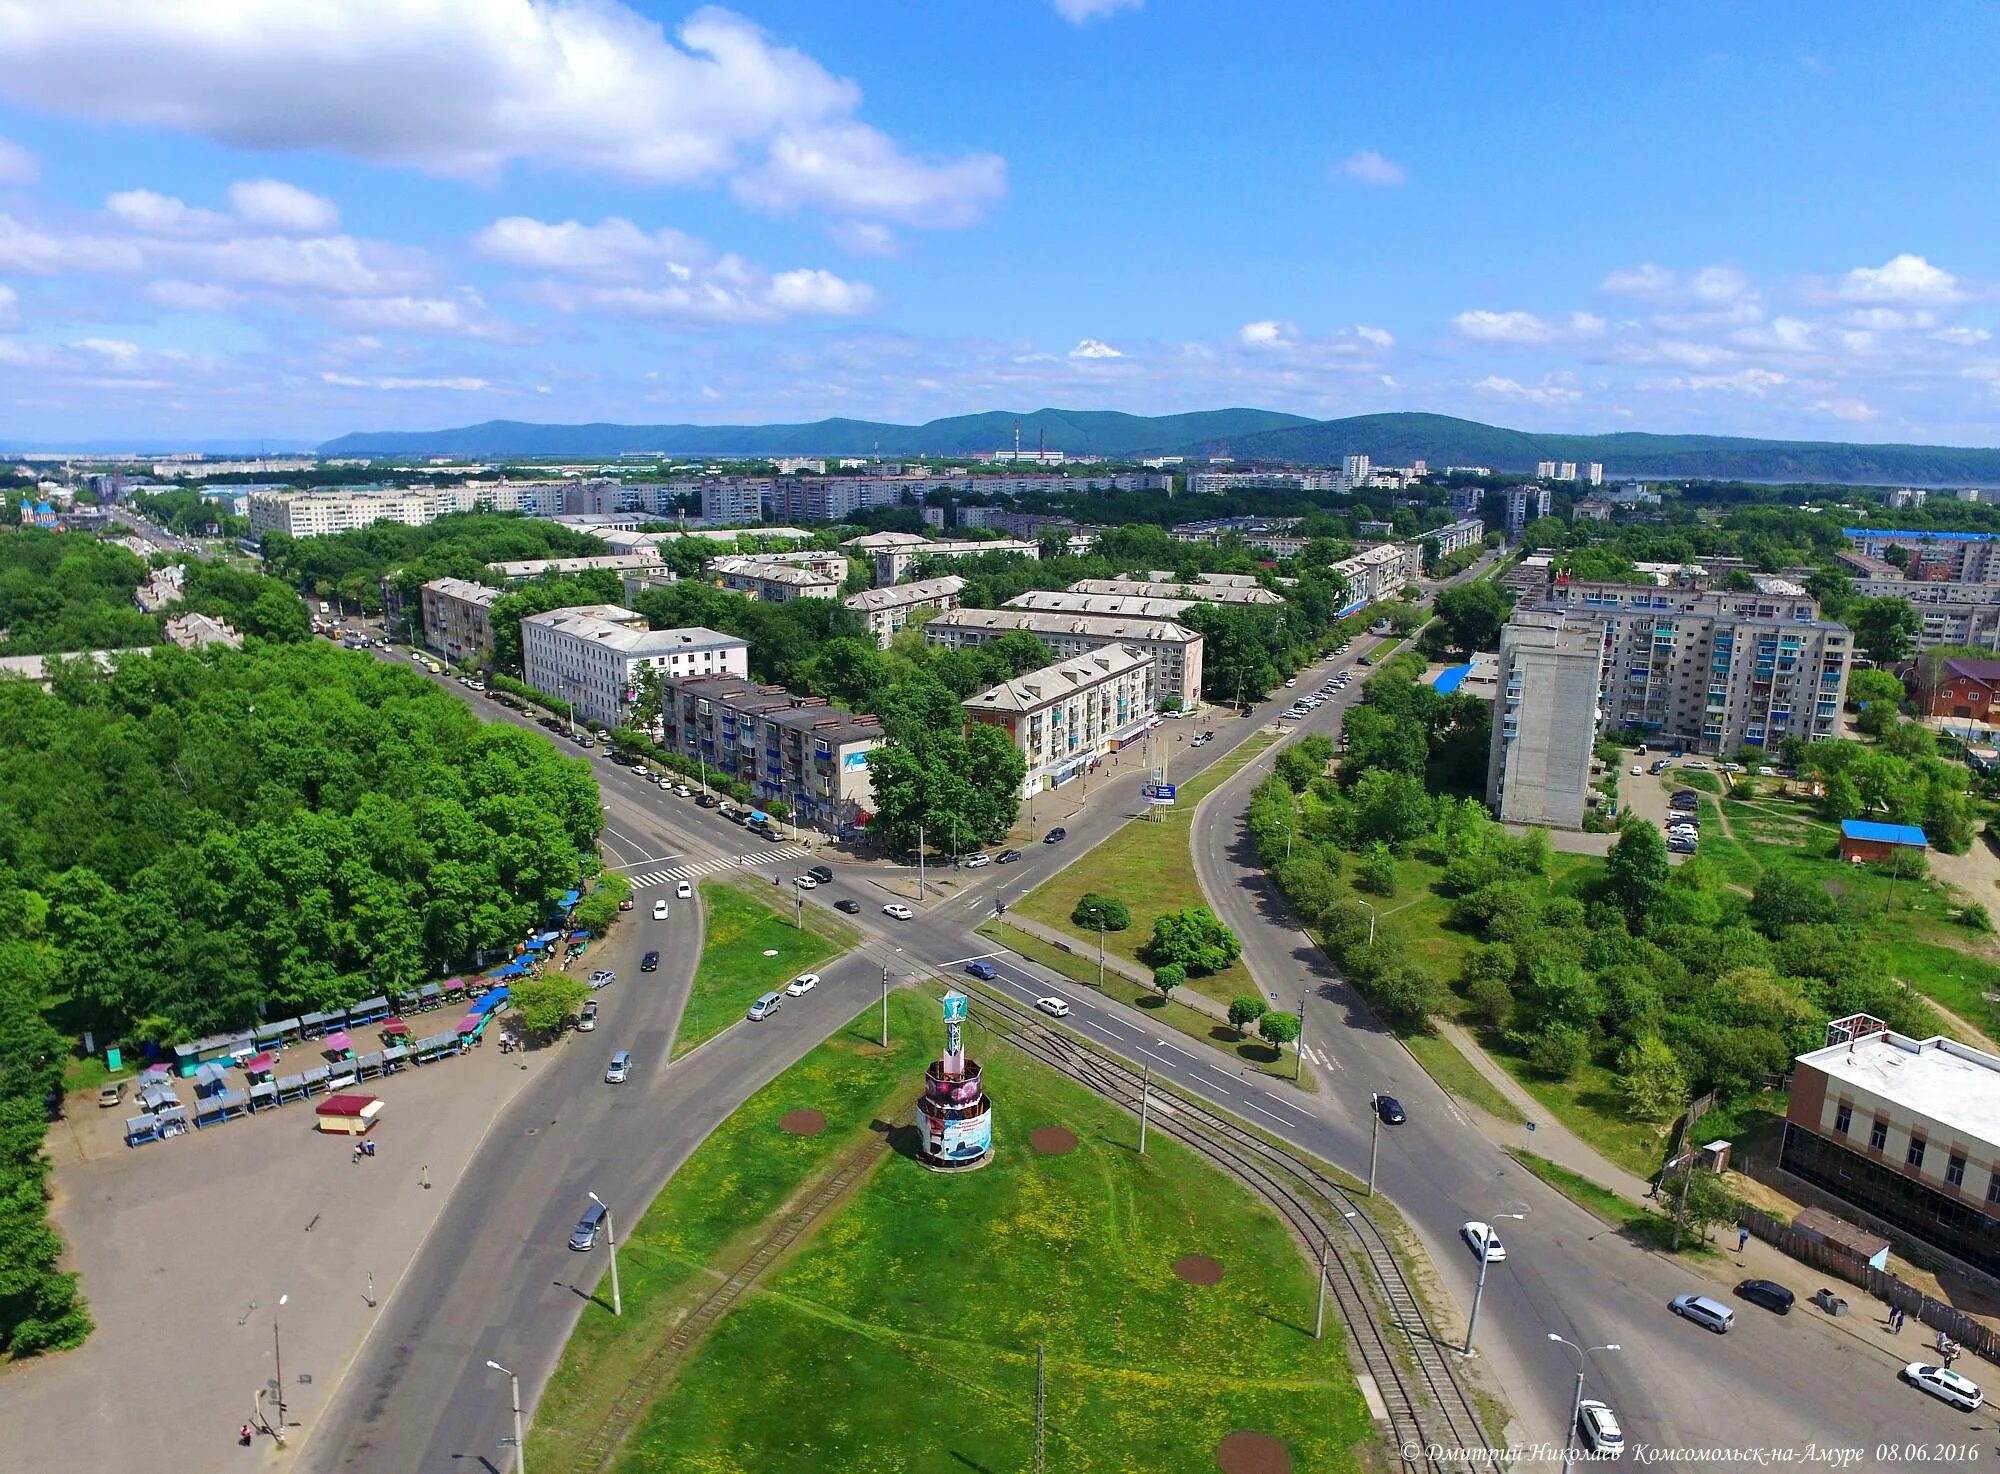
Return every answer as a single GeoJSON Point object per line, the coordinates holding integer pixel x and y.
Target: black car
{"type": "Point", "coordinates": [1056, 835]}
{"type": "Point", "coordinates": [1767, 1293]}
{"type": "Point", "coordinates": [650, 962]}
{"type": "Point", "coordinates": [822, 873]}
{"type": "Point", "coordinates": [1006, 857]}
{"type": "Point", "coordinates": [1390, 1110]}
{"type": "Point", "coordinates": [1685, 798]}
{"type": "Point", "coordinates": [848, 904]}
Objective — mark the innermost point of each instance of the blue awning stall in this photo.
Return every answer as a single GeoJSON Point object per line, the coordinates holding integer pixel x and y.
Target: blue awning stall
{"type": "Point", "coordinates": [291, 1087]}
{"type": "Point", "coordinates": [263, 1096]}
{"type": "Point", "coordinates": [312, 1025]}
{"type": "Point", "coordinates": [368, 1010]}
{"type": "Point", "coordinates": [493, 1001]}
{"type": "Point", "coordinates": [570, 898]}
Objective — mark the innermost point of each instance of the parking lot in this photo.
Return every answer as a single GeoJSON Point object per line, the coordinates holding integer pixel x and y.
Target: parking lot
{"type": "Point", "coordinates": [185, 1247]}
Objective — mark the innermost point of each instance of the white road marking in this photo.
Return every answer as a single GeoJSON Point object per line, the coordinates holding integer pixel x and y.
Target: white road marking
{"type": "Point", "coordinates": [1252, 1105]}
{"type": "Point", "coordinates": [695, 870]}
{"type": "Point", "coordinates": [1150, 1055]}
{"type": "Point", "coordinates": [1223, 1073]}
{"type": "Point", "coordinates": [1174, 1047]}
{"type": "Point", "coordinates": [1283, 1107]}
{"type": "Point", "coordinates": [1112, 1024]}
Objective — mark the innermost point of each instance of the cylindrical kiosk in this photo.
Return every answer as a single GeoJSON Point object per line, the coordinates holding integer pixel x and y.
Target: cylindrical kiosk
{"type": "Point", "coordinates": [953, 1113]}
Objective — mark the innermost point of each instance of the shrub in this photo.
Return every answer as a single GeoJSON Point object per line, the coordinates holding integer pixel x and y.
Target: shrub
{"type": "Point", "coordinates": [1492, 1000]}
{"type": "Point", "coordinates": [1245, 1009]}
{"type": "Point", "coordinates": [1557, 1050]}
{"type": "Point", "coordinates": [1101, 913]}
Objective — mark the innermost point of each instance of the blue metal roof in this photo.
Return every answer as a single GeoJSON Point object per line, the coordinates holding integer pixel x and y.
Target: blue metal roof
{"type": "Point", "coordinates": [1450, 679]}
{"type": "Point", "coordinates": [1883, 833]}
{"type": "Point", "coordinates": [1948, 537]}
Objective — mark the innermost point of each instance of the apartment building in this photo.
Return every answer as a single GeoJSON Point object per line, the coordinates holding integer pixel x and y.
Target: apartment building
{"type": "Point", "coordinates": [639, 560]}
{"type": "Point", "coordinates": [735, 498]}
{"type": "Point", "coordinates": [1378, 573]}
{"type": "Point", "coordinates": [894, 553]}
{"type": "Point", "coordinates": [1124, 606]}
{"type": "Point", "coordinates": [1904, 1131]}
{"type": "Point", "coordinates": [322, 514]}
{"type": "Point", "coordinates": [1934, 557]}
{"type": "Point", "coordinates": [457, 620]}
{"type": "Point", "coordinates": [1953, 613]}
{"type": "Point", "coordinates": [798, 748]}
{"type": "Point", "coordinates": [1065, 716]}
{"type": "Point", "coordinates": [1524, 505]}
{"type": "Point", "coordinates": [1545, 719]}
{"type": "Point", "coordinates": [1455, 537]}
{"type": "Point", "coordinates": [886, 610]}
{"type": "Point", "coordinates": [591, 657]}
{"type": "Point", "coordinates": [1176, 649]}
{"type": "Point", "coordinates": [1712, 669]}
{"type": "Point", "coordinates": [775, 580]}
{"type": "Point", "coordinates": [1466, 499]}
{"type": "Point", "coordinates": [1200, 590]}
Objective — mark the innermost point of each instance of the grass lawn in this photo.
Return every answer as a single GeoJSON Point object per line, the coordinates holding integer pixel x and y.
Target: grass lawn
{"type": "Point", "coordinates": [1146, 865]}
{"type": "Point", "coordinates": [1192, 1022]}
{"type": "Point", "coordinates": [1643, 1226]}
{"type": "Point", "coordinates": [903, 1335]}
{"type": "Point", "coordinates": [1444, 1064]}
{"type": "Point", "coordinates": [738, 929]}
{"type": "Point", "coordinates": [1590, 1104]}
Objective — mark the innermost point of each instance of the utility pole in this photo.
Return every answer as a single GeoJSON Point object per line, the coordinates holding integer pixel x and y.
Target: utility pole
{"type": "Point", "coordinates": [1145, 1092]}
{"type": "Point", "coordinates": [1100, 949]}
{"type": "Point", "coordinates": [1374, 1139]}
{"type": "Point", "coordinates": [611, 1242]}
{"type": "Point", "coordinates": [1299, 1044]}
{"type": "Point", "coordinates": [278, 1356]}
{"type": "Point", "coordinates": [1041, 1398]}
{"type": "Point", "coordinates": [798, 905]}
{"type": "Point", "coordinates": [920, 862]}
{"type": "Point", "coordinates": [885, 1005]}
{"type": "Point", "coordinates": [1319, 1313]}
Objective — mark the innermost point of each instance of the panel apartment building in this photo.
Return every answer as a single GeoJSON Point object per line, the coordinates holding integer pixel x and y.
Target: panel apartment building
{"type": "Point", "coordinates": [458, 621]}
{"type": "Point", "coordinates": [1176, 649]}
{"type": "Point", "coordinates": [775, 580]}
{"type": "Point", "coordinates": [1065, 716]}
{"type": "Point", "coordinates": [591, 657]}
{"type": "Point", "coordinates": [798, 748]}
{"type": "Point", "coordinates": [1545, 719]}
{"type": "Point", "coordinates": [894, 553]}
{"type": "Point", "coordinates": [887, 610]}
{"type": "Point", "coordinates": [1905, 1131]}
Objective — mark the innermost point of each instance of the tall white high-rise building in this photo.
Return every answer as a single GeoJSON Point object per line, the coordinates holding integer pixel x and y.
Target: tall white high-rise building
{"type": "Point", "coordinates": [1354, 468]}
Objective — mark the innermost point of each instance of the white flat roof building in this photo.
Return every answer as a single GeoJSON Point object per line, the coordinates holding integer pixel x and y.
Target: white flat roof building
{"type": "Point", "coordinates": [591, 657]}
{"type": "Point", "coordinates": [1176, 649]}
{"type": "Point", "coordinates": [1066, 716]}
{"type": "Point", "coordinates": [888, 609]}
{"type": "Point", "coordinates": [521, 570]}
{"type": "Point", "coordinates": [1124, 606]}
{"type": "Point", "coordinates": [895, 552]}
{"type": "Point", "coordinates": [1200, 591]}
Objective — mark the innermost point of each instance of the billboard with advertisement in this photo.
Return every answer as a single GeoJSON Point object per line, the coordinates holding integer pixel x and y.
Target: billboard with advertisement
{"type": "Point", "coordinates": [850, 761]}
{"type": "Point", "coordinates": [958, 1141]}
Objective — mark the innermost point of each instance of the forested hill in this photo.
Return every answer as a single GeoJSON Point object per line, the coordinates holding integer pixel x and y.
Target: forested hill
{"type": "Point", "coordinates": [1079, 432]}
{"type": "Point", "coordinates": [1246, 434]}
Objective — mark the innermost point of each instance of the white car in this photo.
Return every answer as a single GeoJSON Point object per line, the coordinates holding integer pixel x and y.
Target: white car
{"type": "Point", "coordinates": [979, 861]}
{"type": "Point", "coordinates": [1291, 680]}
{"type": "Point", "coordinates": [684, 891]}
{"type": "Point", "coordinates": [1637, 771]}
{"type": "Point", "coordinates": [1053, 1007]}
{"type": "Point", "coordinates": [667, 783]}
{"type": "Point", "coordinates": [1940, 1382]}
{"type": "Point", "coordinates": [801, 985]}
{"type": "Point", "coordinates": [1483, 1241]}
{"type": "Point", "coordinates": [1599, 1427]}
{"type": "Point", "coordinates": [805, 882]}
{"type": "Point", "coordinates": [638, 767]}
{"type": "Point", "coordinates": [898, 910]}
{"type": "Point", "coordinates": [660, 910]}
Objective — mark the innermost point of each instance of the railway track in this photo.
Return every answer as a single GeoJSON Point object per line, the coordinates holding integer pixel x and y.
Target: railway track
{"type": "Point", "coordinates": [1431, 1413]}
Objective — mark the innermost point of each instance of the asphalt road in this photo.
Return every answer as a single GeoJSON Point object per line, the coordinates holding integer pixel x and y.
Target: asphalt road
{"type": "Point", "coordinates": [495, 1279]}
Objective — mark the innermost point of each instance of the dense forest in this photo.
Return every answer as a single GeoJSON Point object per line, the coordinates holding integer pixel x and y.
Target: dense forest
{"type": "Point", "coordinates": [350, 566]}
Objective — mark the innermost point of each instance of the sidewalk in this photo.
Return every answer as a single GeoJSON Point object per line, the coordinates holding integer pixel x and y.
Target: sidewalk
{"type": "Point", "coordinates": [1867, 1320]}
{"type": "Point", "coordinates": [1130, 971]}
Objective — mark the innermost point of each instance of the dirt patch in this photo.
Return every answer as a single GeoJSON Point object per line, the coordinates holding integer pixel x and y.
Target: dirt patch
{"type": "Point", "coordinates": [1052, 1141]}
{"type": "Point", "coordinates": [1244, 1452]}
{"type": "Point", "coordinates": [803, 1122]}
{"type": "Point", "coordinates": [1199, 1269]}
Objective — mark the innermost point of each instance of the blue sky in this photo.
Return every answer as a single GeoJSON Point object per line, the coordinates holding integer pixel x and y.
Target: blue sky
{"type": "Point", "coordinates": [250, 218]}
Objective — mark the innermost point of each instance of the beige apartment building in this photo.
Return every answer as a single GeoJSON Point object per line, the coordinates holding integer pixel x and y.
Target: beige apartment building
{"type": "Point", "coordinates": [887, 610]}
{"type": "Point", "coordinates": [1545, 717]}
{"type": "Point", "coordinates": [592, 657]}
{"type": "Point", "coordinates": [1176, 649]}
{"type": "Point", "coordinates": [457, 620]}
{"type": "Point", "coordinates": [774, 580]}
{"type": "Point", "coordinates": [1066, 716]}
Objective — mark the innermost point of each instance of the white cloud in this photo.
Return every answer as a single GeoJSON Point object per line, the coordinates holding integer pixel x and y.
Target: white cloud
{"type": "Point", "coordinates": [276, 205]}
{"type": "Point", "coordinates": [1962, 337]}
{"type": "Point", "coordinates": [187, 296]}
{"type": "Point", "coordinates": [470, 87]}
{"type": "Point", "coordinates": [614, 266]}
{"type": "Point", "coordinates": [1745, 381]}
{"type": "Point", "coordinates": [1902, 278]}
{"type": "Point", "coordinates": [1379, 337]}
{"type": "Point", "coordinates": [117, 350]}
{"type": "Point", "coordinates": [1094, 348]}
{"type": "Point", "coordinates": [349, 381]}
{"type": "Point", "coordinates": [1643, 280]}
{"type": "Point", "coordinates": [29, 250]}
{"type": "Point", "coordinates": [1366, 166]}
{"type": "Point", "coordinates": [159, 214]}
{"type": "Point", "coordinates": [863, 237]}
{"type": "Point", "coordinates": [1547, 392]}
{"type": "Point", "coordinates": [1077, 12]}
{"type": "Point", "coordinates": [10, 309]}
{"type": "Point", "coordinates": [1854, 411]}
{"type": "Point", "coordinates": [17, 165]}
{"type": "Point", "coordinates": [463, 316]}
{"type": "Point", "coordinates": [1526, 327]}
{"type": "Point", "coordinates": [1266, 333]}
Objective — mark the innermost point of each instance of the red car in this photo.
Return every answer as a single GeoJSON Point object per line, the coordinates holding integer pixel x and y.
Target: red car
{"type": "Point", "coordinates": [626, 904]}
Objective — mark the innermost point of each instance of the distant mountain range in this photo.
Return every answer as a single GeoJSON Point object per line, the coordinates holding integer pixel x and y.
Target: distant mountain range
{"type": "Point", "coordinates": [1247, 434]}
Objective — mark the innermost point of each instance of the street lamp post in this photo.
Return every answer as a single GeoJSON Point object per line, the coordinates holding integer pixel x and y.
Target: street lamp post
{"type": "Point", "coordinates": [1576, 1403]}
{"type": "Point", "coordinates": [278, 1356]}
{"type": "Point", "coordinates": [1374, 1138]}
{"type": "Point", "coordinates": [520, 1448]}
{"type": "Point", "coordinates": [611, 1242]}
{"type": "Point", "coordinates": [1299, 1044]}
{"type": "Point", "coordinates": [1479, 1290]}
{"type": "Point", "coordinates": [1371, 919]}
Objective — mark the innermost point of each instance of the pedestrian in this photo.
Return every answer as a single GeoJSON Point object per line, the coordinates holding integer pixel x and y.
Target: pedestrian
{"type": "Point", "coordinates": [1742, 1237]}
{"type": "Point", "coordinates": [243, 1435]}
{"type": "Point", "coordinates": [1895, 1320]}
{"type": "Point", "coordinates": [357, 1152]}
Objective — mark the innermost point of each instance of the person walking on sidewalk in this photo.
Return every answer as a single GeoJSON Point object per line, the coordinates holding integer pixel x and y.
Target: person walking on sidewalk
{"type": "Point", "coordinates": [1742, 1237]}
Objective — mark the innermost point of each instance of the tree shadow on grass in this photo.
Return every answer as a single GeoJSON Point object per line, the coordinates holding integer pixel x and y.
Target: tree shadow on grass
{"type": "Point", "coordinates": [959, 1458]}
{"type": "Point", "coordinates": [1154, 1001]}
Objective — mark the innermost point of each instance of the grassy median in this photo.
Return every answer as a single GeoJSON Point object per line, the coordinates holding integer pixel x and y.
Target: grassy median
{"type": "Point", "coordinates": [749, 949]}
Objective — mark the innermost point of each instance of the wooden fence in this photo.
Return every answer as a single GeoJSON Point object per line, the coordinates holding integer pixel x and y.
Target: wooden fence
{"type": "Point", "coordinates": [1973, 1335]}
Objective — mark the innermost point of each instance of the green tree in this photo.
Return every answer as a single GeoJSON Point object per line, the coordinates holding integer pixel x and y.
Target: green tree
{"type": "Point", "coordinates": [1472, 613]}
{"type": "Point", "coordinates": [1375, 872]}
{"type": "Point", "coordinates": [1654, 1084]}
{"type": "Point", "coordinates": [1871, 687]}
{"type": "Point", "coordinates": [1195, 939]}
{"type": "Point", "coordinates": [545, 1005]}
{"type": "Point", "coordinates": [1278, 1029]}
{"type": "Point", "coordinates": [1557, 1050]}
{"type": "Point", "coordinates": [1700, 1200]}
{"type": "Point", "coordinates": [1168, 978]}
{"type": "Point", "coordinates": [1101, 913]}
{"type": "Point", "coordinates": [1244, 1010]}
{"type": "Point", "coordinates": [1406, 995]}
{"type": "Point", "coordinates": [1492, 1000]}
{"type": "Point", "coordinates": [1635, 868]}
{"type": "Point", "coordinates": [1884, 628]}
{"type": "Point", "coordinates": [1392, 808]}
{"type": "Point", "coordinates": [1782, 900]}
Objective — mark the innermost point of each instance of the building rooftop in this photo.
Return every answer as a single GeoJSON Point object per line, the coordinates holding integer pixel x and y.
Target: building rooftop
{"type": "Point", "coordinates": [811, 714]}
{"type": "Point", "coordinates": [881, 542]}
{"type": "Point", "coordinates": [1128, 606]}
{"type": "Point", "coordinates": [1950, 1083]}
{"type": "Point", "coordinates": [530, 567]}
{"type": "Point", "coordinates": [1946, 537]}
{"type": "Point", "coordinates": [1867, 829]}
{"type": "Point", "coordinates": [1039, 688]}
{"type": "Point", "coordinates": [1976, 670]}
{"type": "Point", "coordinates": [602, 624]}
{"type": "Point", "coordinates": [466, 589]}
{"type": "Point", "coordinates": [1133, 588]}
{"type": "Point", "coordinates": [896, 596]}
{"type": "Point", "coordinates": [772, 570]}
{"type": "Point", "coordinates": [1059, 621]}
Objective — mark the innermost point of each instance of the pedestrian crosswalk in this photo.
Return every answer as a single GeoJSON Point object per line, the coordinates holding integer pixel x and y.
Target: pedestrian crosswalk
{"type": "Point", "coordinates": [695, 869]}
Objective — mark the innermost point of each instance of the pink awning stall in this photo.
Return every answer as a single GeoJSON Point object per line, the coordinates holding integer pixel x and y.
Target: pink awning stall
{"type": "Point", "coordinates": [260, 1064]}
{"type": "Point", "coordinates": [340, 1043]}
{"type": "Point", "coordinates": [394, 1028]}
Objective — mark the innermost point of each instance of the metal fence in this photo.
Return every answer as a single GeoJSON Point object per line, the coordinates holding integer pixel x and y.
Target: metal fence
{"type": "Point", "coordinates": [1973, 1335]}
